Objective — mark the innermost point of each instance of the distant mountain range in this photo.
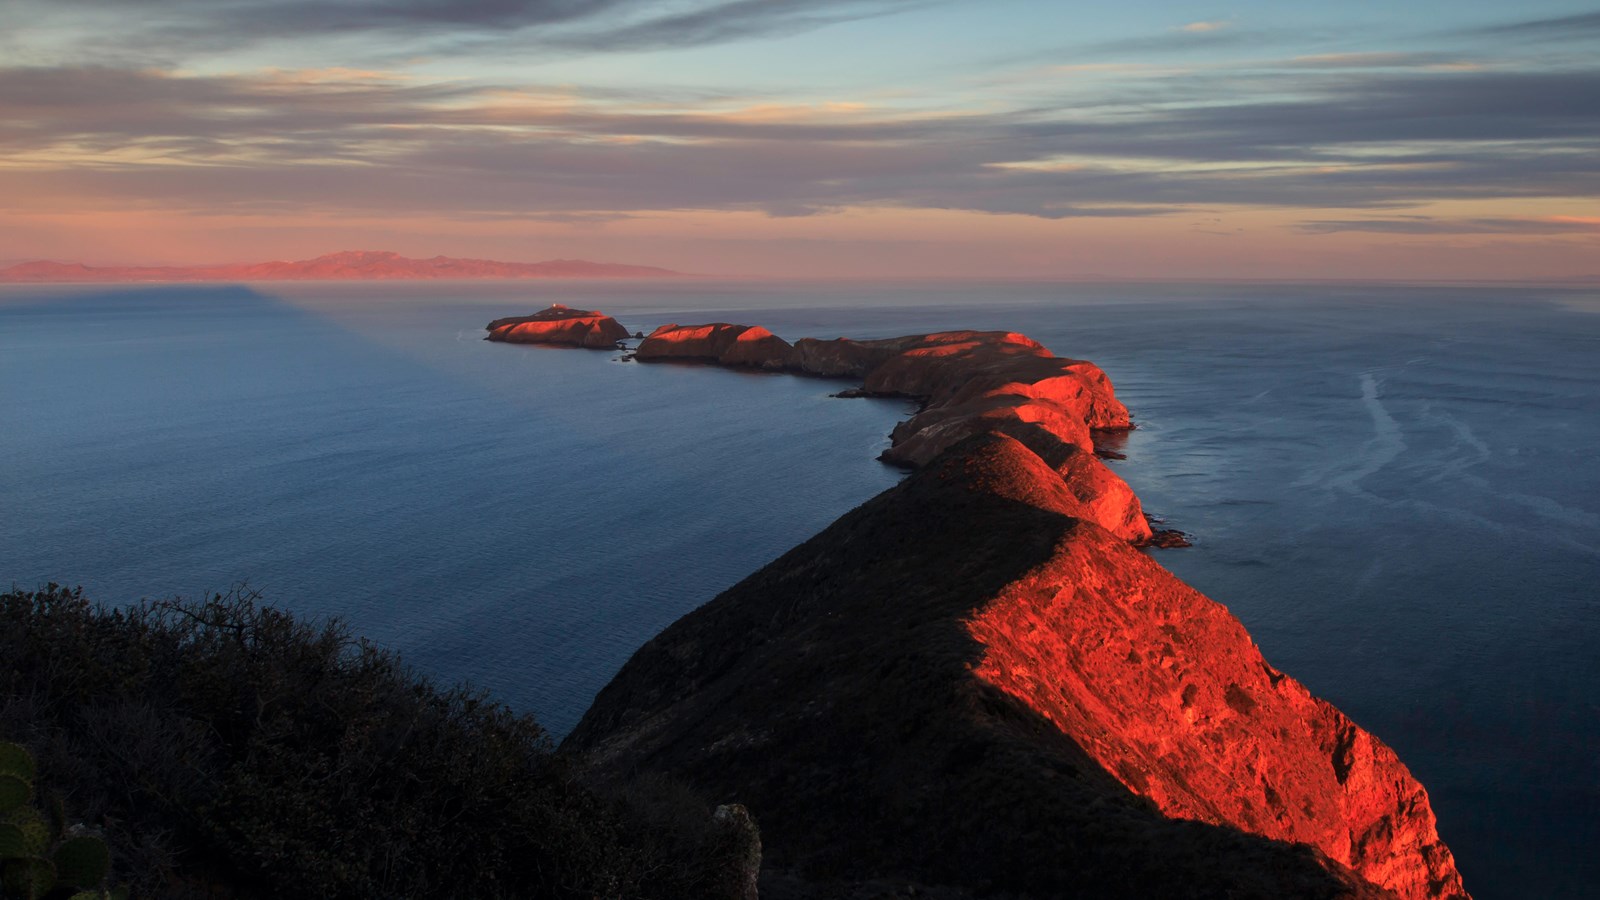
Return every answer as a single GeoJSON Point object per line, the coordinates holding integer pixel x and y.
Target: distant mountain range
{"type": "Point", "coordinates": [350, 265]}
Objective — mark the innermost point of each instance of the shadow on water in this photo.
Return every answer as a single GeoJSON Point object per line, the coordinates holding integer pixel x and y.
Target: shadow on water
{"type": "Point", "coordinates": [522, 519]}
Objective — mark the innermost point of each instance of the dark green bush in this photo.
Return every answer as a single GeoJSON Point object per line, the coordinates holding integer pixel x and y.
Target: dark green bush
{"type": "Point", "coordinates": [226, 748]}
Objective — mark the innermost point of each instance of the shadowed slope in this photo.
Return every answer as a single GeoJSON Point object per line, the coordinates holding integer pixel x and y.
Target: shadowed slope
{"type": "Point", "coordinates": [886, 700]}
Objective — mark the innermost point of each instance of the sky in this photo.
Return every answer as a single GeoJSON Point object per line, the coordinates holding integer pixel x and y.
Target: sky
{"type": "Point", "coordinates": [1430, 139]}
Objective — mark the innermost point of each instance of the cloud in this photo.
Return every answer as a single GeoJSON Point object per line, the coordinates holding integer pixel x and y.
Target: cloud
{"type": "Point", "coordinates": [88, 137]}
{"type": "Point", "coordinates": [1361, 119]}
{"type": "Point", "coordinates": [734, 21]}
{"type": "Point", "coordinates": [1429, 226]}
{"type": "Point", "coordinates": [166, 27]}
{"type": "Point", "coordinates": [1582, 27]}
{"type": "Point", "coordinates": [1376, 60]}
{"type": "Point", "coordinates": [1194, 37]}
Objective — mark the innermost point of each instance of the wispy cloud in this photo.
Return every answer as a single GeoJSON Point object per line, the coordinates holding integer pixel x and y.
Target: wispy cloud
{"type": "Point", "coordinates": [732, 21]}
{"type": "Point", "coordinates": [1191, 37]}
{"type": "Point", "coordinates": [1338, 138]}
{"type": "Point", "coordinates": [177, 27]}
{"type": "Point", "coordinates": [1582, 27]}
{"type": "Point", "coordinates": [1376, 60]}
{"type": "Point", "coordinates": [1427, 225]}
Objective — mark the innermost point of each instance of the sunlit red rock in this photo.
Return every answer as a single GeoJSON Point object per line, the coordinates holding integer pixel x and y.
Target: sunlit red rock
{"type": "Point", "coordinates": [718, 342]}
{"type": "Point", "coordinates": [969, 683]}
{"type": "Point", "coordinates": [971, 382]}
{"type": "Point", "coordinates": [977, 680]}
{"type": "Point", "coordinates": [1166, 691]}
{"type": "Point", "coordinates": [558, 324]}
{"type": "Point", "coordinates": [1099, 494]}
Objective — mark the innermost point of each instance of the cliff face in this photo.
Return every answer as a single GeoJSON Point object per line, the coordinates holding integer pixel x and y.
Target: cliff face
{"type": "Point", "coordinates": [559, 324]}
{"type": "Point", "coordinates": [721, 343]}
{"type": "Point", "coordinates": [963, 684]}
{"type": "Point", "coordinates": [1164, 689]}
{"type": "Point", "coordinates": [976, 681]}
{"type": "Point", "coordinates": [970, 382]}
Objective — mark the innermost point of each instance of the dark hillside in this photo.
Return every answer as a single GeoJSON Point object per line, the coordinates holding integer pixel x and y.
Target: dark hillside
{"type": "Point", "coordinates": [226, 749]}
{"type": "Point", "coordinates": [833, 694]}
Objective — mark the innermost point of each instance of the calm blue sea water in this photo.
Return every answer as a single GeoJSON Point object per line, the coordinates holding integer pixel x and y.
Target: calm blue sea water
{"type": "Point", "coordinates": [1395, 488]}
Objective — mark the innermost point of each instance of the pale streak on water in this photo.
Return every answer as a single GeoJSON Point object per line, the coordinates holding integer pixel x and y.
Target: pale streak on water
{"type": "Point", "coordinates": [1394, 488]}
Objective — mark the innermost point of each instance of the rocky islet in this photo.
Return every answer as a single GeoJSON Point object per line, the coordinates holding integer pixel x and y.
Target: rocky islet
{"type": "Point", "coordinates": [559, 324]}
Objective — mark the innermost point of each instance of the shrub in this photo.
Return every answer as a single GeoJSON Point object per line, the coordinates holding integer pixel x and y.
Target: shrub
{"type": "Point", "coordinates": [227, 748]}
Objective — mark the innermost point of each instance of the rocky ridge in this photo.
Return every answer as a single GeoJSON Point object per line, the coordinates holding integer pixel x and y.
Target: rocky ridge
{"type": "Point", "coordinates": [969, 382]}
{"type": "Point", "coordinates": [976, 683]}
{"type": "Point", "coordinates": [558, 324]}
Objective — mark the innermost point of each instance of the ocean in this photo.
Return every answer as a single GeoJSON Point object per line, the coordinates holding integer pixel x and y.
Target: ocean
{"type": "Point", "coordinates": [1394, 487]}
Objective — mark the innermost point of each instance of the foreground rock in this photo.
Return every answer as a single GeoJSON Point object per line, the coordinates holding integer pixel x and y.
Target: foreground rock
{"type": "Point", "coordinates": [559, 324]}
{"type": "Point", "coordinates": [965, 684]}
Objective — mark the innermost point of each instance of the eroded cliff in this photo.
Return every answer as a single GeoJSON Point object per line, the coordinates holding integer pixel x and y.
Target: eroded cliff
{"type": "Point", "coordinates": [969, 382]}
{"type": "Point", "coordinates": [976, 681]}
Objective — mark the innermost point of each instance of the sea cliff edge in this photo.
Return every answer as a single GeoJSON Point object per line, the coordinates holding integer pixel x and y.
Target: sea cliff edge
{"type": "Point", "coordinates": [977, 684]}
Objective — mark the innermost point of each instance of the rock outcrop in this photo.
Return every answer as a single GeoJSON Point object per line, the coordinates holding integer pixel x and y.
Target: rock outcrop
{"type": "Point", "coordinates": [977, 683]}
{"type": "Point", "coordinates": [969, 382]}
{"type": "Point", "coordinates": [965, 683]}
{"type": "Point", "coordinates": [729, 345]}
{"type": "Point", "coordinates": [557, 324]}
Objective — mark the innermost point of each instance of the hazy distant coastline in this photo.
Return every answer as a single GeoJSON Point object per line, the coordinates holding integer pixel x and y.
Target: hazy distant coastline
{"type": "Point", "coordinates": [348, 265]}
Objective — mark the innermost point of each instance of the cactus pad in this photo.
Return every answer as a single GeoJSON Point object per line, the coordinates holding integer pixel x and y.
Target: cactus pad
{"type": "Point", "coordinates": [14, 792]}
{"type": "Point", "coordinates": [29, 877]}
{"type": "Point", "coordinates": [82, 862]}
{"type": "Point", "coordinates": [16, 760]}
{"type": "Point", "coordinates": [35, 834]}
{"type": "Point", "coordinates": [13, 843]}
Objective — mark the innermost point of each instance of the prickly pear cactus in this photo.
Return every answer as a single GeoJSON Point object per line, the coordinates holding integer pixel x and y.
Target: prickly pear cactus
{"type": "Point", "coordinates": [14, 792]}
{"type": "Point", "coordinates": [38, 859]}
{"type": "Point", "coordinates": [82, 862]}
{"type": "Point", "coordinates": [30, 826]}
{"type": "Point", "coordinates": [28, 877]}
{"type": "Point", "coordinates": [16, 777]}
{"type": "Point", "coordinates": [16, 760]}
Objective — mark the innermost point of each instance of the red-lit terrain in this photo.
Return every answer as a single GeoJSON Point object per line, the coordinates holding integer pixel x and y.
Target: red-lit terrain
{"type": "Point", "coordinates": [970, 382]}
{"type": "Point", "coordinates": [977, 683]}
{"type": "Point", "coordinates": [559, 324]}
{"type": "Point", "coordinates": [350, 265]}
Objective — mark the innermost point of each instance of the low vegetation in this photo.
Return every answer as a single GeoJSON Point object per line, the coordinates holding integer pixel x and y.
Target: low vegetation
{"type": "Point", "coordinates": [223, 748]}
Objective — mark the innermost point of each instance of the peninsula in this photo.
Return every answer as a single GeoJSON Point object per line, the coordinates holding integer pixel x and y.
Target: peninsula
{"type": "Point", "coordinates": [977, 683]}
{"type": "Point", "coordinates": [348, 265]}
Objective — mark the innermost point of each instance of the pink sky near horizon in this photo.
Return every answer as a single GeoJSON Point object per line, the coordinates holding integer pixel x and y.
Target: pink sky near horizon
{"type": "Point", "coordinates": [1168, 144]}
{"type": "Point", "coordinates": [1244, 244]}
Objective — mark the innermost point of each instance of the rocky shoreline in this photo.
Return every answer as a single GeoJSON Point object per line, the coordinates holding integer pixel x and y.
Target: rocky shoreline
{"type": "Point", "coordinates": [975, 684]}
